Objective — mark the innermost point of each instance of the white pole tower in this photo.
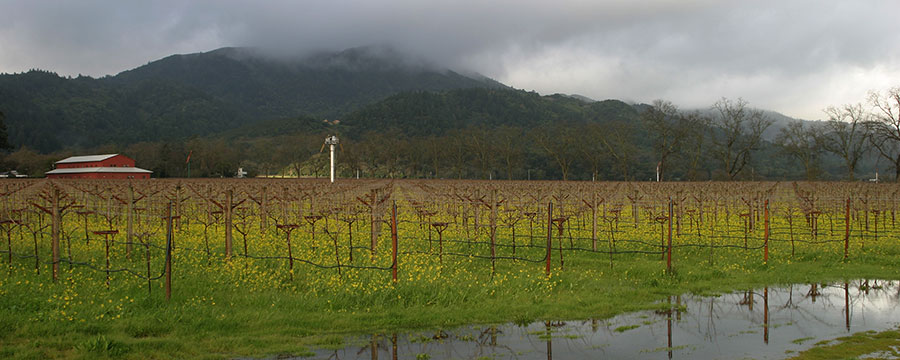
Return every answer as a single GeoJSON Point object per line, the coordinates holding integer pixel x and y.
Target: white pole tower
{"type": "Point", "coordinates": [331, 141]}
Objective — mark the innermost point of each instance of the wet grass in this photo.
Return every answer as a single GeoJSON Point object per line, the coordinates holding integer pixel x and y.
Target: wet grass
{"type": "Point", "coordinates": [251, 308]}
{"type": "Point", "coordinates": [869, 344]}
{"type": "Point", "coordinates": [228, 322]}
{"type": "Point", "coordinates": [625, 328]}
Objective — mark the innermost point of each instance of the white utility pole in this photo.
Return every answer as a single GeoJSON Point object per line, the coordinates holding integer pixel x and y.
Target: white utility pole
{"type": "Point", "coordinates": [331, 141]}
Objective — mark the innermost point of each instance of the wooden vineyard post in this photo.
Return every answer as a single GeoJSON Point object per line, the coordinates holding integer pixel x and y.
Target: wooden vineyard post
{"type": "Point", "coordinates": [337, 253]}
{"type": "Point", "coordinates": [847, 229]}
{"type": "Point", "coordinates": [54, 211]}
{"type": "Point", "coordinates": [549, 235]}
{"type": "Point", "coordinates": [178, 206]}
{"type": "Point", "coordinates": [560, 222]}
{"type": "Point", "coordinates": [288, 228]}
{"type": "Point", "coordinates": [263, 209]}
{"type": "Point", "coordinates": [229, 209]}
{"type": "Point", "coordinates": [493, 225]}
{"type": "Point", "coordinates": [669, 246]}
{"type": "Point", "coordinates": [169, 252]}
{"type": "Point", "coordinates": [374, 200]}
{"type": "Point", "coordinates": [9, 224]}
{"type": "Point", "coordinates": [84, 214]}
{"type": "Point", "coordinates": [129, 227]}
{"type": "Point", "coordinates": [349, 220]}
{"type": "Point", "coordinates": [106, 234]}
{"type": "Point", "coordinates": [146, 244]}
{"type": "Point", "coordinates": [55, 232]}
{"type": "Point", "coordinates": [594, 221]}
{"type": "Point", "coordinates": [766, 241]}
{"type": "Point", "coordinates": [440, 227]}
{"type": "Point", "coordinates": [475, 209]}
{"type": "Point", "coordinates": [394, 241]}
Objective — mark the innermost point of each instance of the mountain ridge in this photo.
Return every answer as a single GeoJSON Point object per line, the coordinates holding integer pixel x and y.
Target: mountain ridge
{"type": "Point", "coordinates": [198, 94]}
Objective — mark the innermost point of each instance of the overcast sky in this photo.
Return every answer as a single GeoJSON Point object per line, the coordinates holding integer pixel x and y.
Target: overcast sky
{"type": "Point", "coordinates": [792, 56]}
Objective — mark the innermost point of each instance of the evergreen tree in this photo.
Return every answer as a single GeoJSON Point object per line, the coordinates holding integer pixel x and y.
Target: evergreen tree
{"type": "Point", "coordinates": [4, 139]}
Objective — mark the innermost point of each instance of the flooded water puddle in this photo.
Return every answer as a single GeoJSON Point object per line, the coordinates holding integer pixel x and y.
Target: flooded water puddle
{"type": "Point", "coordinates": [767, 323]}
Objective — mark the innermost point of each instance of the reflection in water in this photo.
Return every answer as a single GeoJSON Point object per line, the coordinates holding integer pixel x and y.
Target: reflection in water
{"type": "Point", "coordinates": [727, 326]}
{"type": "Point", "coordinates": [847, 306]}
{"type": "Point", "coordinates": [766, 315]}
{"type": "Point", "coordinates": [549, 341]}
{"type": "Point", "coordinates": [669, 327]}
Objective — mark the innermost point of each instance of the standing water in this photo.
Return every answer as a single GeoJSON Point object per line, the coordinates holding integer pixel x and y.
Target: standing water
{"type": "Point", "coordinates": [767, 323]}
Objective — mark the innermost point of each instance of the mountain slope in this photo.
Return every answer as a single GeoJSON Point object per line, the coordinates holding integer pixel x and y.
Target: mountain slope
{"type": "Point", "coordinates": [47, 112]}
{"type": "Point", "coordinates": [431, 113]}
{"type": "Point", "coordinates": [325, 84]}
{"type": "Point", "coordinates": [200, 94]}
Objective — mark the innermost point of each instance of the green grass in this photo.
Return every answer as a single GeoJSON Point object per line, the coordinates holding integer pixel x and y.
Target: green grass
{"type": "Point", "coordinates": [626, 328]}
{"type": "Point", "coordinates": [870, 344]}
{"type": "Point", "coordinates": [229, 321]}
{"type": "Point", "coordinates": [802, 340]}
{"type": "Point", "coordinates": [248, 307]}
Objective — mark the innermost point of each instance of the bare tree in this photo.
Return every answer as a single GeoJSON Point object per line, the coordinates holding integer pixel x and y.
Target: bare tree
{"type": "Point", "coordinates": [458, 150]}
{"type": "Point", "coordinates": [316, 164]}
{"type": "Point", "coordinates": [481, 145]}
{"type": "Point", "coordinates": [392, 152]}
{"type": "Point", "coordinates": [591, 145]}
{"type": "Point", "coordinates": [620, 146]}
{"type": "Point", "coordinates": [370, 148]}
{"type": "Point", "coordinates": [695, 142]}
{"type": "Point", "coordinates": [434, 149]}
{"type": "Point", "coordinates": [735, 132]}
{"type": "Point", "coordinates": [509, 148]}
{"type": "Point", "coordinates": [846, 134]}
{"type": "Point", "coordinates": [263, 152]}
{"type": "Point", "coordinates": [803, 143]}
{"type": "Point", "coordinates": [885, 126]}
{"type": "Point", "coordinates": [668, 128]}
{"type": "Point", "coordinates": [305, 146]}
{"type": "Point", "coordinates": [415, 158]}
{"type": "Point", "coordinates": [351, 156]}
{"type": "Point", "coordinates": [559, 141]}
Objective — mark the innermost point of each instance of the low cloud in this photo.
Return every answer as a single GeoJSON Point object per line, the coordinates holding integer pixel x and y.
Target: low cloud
{"type": "Point", "coordinates": [795, 57]}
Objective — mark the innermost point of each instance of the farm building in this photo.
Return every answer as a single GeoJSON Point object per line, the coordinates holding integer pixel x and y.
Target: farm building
{"type": "Point", "coordinates": [109, 166]}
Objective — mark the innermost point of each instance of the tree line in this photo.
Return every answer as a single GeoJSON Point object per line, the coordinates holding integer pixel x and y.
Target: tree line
{"type": "Point", "coordinates": [640, 142]}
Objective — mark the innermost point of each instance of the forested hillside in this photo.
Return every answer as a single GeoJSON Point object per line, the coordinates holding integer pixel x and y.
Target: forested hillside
{"type": "Point", "coordinates": [397, 117]}
{"type": "Point", "coordinates": [425, 114]}
{"type": "Point", "coordinates": [200, 94]}
{"type": "Point", "coordinates": [487, 134]}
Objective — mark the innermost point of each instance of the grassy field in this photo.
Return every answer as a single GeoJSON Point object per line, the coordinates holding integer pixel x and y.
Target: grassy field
{"type": "Point", "coordinates": [255, 305]}
{"type": "Point", "coordinates": [869, 344]}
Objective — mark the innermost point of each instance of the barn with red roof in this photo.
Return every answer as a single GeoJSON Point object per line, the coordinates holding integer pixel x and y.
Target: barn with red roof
{"type": "Point", "coordinates": [108, 166]}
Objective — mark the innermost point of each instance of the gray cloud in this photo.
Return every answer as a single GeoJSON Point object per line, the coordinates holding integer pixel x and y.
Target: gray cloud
{"type": "Point", "coordinates": [792, 56]}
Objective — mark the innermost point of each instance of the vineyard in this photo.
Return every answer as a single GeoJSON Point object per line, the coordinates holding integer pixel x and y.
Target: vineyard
{"type": "Point", "coordinates": [251, 267]}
